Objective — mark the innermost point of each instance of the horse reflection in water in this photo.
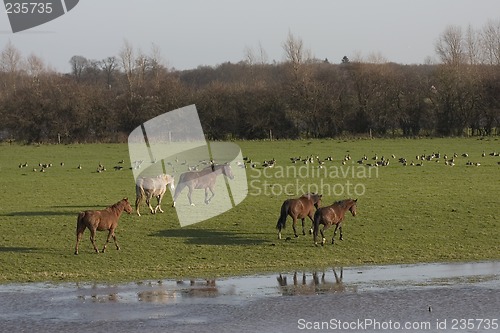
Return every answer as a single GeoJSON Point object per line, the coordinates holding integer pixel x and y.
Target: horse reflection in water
{"type": "Point", "coordinates": [318, 284]}
{"type": "Point", "coordinates": [206, 288]}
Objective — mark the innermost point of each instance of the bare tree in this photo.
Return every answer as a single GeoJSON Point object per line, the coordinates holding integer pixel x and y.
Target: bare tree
{"type": "Point", "coordinates": [450, 46]}
{"type": "Point", "coordinates": [78, 64]}
{"type": "Point", "coordinates": [127, 62]}
{"type": "Point", "coordinates": [109, 65]}
{"type": "Point", "coordinates": [35, 65]}
{"type": "Point", "coordinates": [10, 58]}
{"type": "Point", "coordinates": [472, 46]}
{"type": "Point", "coordinates": [10, 63]}
{"type": "Point", "coordinates": [254, 57]}
{"type": "Point", "coordinates": [490, 38]}
{"type": "Point", "coordinates": [295, 52]}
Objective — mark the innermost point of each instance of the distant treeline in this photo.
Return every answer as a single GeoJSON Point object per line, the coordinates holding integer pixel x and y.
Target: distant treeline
{"type": "Point", "coordinates": [298, 97]}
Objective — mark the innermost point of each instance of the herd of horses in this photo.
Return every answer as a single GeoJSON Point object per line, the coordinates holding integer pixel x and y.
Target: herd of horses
{"type": "Point", "coordinates": [307, 205]}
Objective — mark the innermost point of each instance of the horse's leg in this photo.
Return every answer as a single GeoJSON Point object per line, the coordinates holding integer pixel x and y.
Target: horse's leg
{"type": "Point", "coordinates": [338, 226]}
{"type": "Point", "coordinates": [148, 202]}
{"type": "Point", "coordinates": [311, 216]}
{"type": "Point", "coordinates": [189, 195]}
{"type": "Point", "coordinates": [137, 204]}
{"type": "Point", "coordinates": [327, 225]}
{"type": "Point", "coordinates": [294, 223]}
{"type": "Point", "coordinates": [213, 193]}
{"type": "Point", "coordinates": [207, 201]}
{"type": "Point", "coordinates": [158, 206]}
{"type": "Point", "coordinates": [79, 234]}
{"type": "Point", "coordinates": [111, 234]}
{"type": "Point", "coordinates": [116, 242]}
{"type": "Point", "coordinates": [92, 239]}
{"type": "Point", "coordinates": [107, 241]}
{"type": "Point", "coordinates": [303, 227]}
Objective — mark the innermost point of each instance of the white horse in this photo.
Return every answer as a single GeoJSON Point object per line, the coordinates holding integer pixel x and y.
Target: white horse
{"type": "Point", "coordinates": [152, 187]}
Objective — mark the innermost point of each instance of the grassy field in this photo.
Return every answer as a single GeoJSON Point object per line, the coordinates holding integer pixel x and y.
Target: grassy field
{"type": "Point", "coordinates": [429, 213]}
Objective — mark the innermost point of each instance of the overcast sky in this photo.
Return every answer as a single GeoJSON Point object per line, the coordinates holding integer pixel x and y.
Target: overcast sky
{"type": "Point", "coordinates": [190, 33]}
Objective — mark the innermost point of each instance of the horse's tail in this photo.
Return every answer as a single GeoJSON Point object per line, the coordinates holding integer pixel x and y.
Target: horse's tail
{"type": "Point", "coordinates": [79, 223]}
{"type": "Point", "coordinates": [316, 223]}
{"type": "Point", "coordinates": [139, 193]}
{"type": "Point", "coordinates": [281, 224]}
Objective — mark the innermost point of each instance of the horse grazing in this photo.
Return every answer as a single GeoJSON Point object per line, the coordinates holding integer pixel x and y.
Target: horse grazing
{"type": "Point", "coordinates": [301, 208]}
{"type": "Point", "coordinates": [204, 179]}
{"type": "Point", "coordinates": [333, 214]}
{"type": "Point", "coordinates": [100, 220]}
{"type": "Point", "coordinates": [152, 187]}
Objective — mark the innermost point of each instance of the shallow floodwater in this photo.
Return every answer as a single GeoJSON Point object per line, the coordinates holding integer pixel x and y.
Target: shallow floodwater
{"type": "Point", "coordinates": [415, 298]}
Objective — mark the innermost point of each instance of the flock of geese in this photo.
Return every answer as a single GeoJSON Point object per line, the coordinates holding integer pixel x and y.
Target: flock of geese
{"type": "Point", "coordinates": [373, 161]}
{"type": "Point", "coordinates": [313, 160]}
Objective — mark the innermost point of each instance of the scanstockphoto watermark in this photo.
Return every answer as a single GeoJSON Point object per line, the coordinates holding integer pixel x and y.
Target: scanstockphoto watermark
{"type": "Point", "coordinates": [345, 180]}
{"type": "Point", "coordinates": [368, 324]}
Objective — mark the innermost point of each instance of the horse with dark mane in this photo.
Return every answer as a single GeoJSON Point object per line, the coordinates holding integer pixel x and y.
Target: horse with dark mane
{"type": "Point", "coordinates": [330, 215]}
{"type": "Point", "coordinates": [298, 208]}
{"type": "Point", "coordinates": [204, 179]}
{"type": "Point", "coordinates": [101, 220]}
{"type": "Point", "coordinates": [152, 187]}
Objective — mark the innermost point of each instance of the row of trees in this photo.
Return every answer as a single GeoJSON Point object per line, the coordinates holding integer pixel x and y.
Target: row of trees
{"type": "Point", "coordinates": [298, 97]}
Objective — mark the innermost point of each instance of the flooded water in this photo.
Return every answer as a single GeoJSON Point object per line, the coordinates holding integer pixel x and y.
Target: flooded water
{"type": "Point", "coordinates": [415, 298]}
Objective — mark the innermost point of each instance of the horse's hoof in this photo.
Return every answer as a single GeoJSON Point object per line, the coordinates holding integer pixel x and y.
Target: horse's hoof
{"type": "Point", "coordinates": [296, 236]}
{"type": "Point", "coordinates": [76, 253]}
{"type": "Point", "coordinates": [138, 214]}
{"type": "Point", "coordinates": [341, 238]}
{"type": "Point", "coordinates": [173, 204]}
{"type": "Point", "coordinates": [192, 204]}
{"type": "Point", "coordinates": [310, 231]}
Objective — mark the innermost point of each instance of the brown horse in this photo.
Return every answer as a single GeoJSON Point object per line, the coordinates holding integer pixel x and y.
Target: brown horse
{"type": "Point", "coordinates": [299, 208]}
{"type": "Point", "coordinates": [152, 187]}
{"type": "Point", "coordinates": [333, 214]}
{"type": "Point", "coordinates": [100, 220]}
{"type": "Point", "coordinates": [204, 179]}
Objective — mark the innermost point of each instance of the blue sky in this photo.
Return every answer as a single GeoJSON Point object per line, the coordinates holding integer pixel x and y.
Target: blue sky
{"type": "Point", "coordinates": [190, 33]}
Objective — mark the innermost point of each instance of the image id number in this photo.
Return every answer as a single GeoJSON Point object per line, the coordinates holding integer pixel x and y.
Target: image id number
{"type": "Point", "coordinates": [28, 8]}
{"type": "Point", "coordinates": [474, 324]}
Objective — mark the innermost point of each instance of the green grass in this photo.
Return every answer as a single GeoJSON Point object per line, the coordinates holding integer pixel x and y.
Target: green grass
{"type": "Point", "coordinates": [409, 214]}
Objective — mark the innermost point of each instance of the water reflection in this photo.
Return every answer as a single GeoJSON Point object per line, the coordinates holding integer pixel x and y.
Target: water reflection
{"type": "Point", "coordinates": [206, 288]}
{"type": "Point", "coordinates": [316, 283]}
{"type": "Point", "coordinates": [237, 290]}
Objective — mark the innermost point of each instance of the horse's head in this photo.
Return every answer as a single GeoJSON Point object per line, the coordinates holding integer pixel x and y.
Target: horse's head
{"type": "Point", "coordinates": [316, 199]}
{"type": "Point", "coordinates": [352, 209]}
{"type": "Point", "coordinates": [169, 180]}
{"type": "Point", "coordinates": [126, 205]}
{"type": "Point", "coordinates": [227, 171]}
